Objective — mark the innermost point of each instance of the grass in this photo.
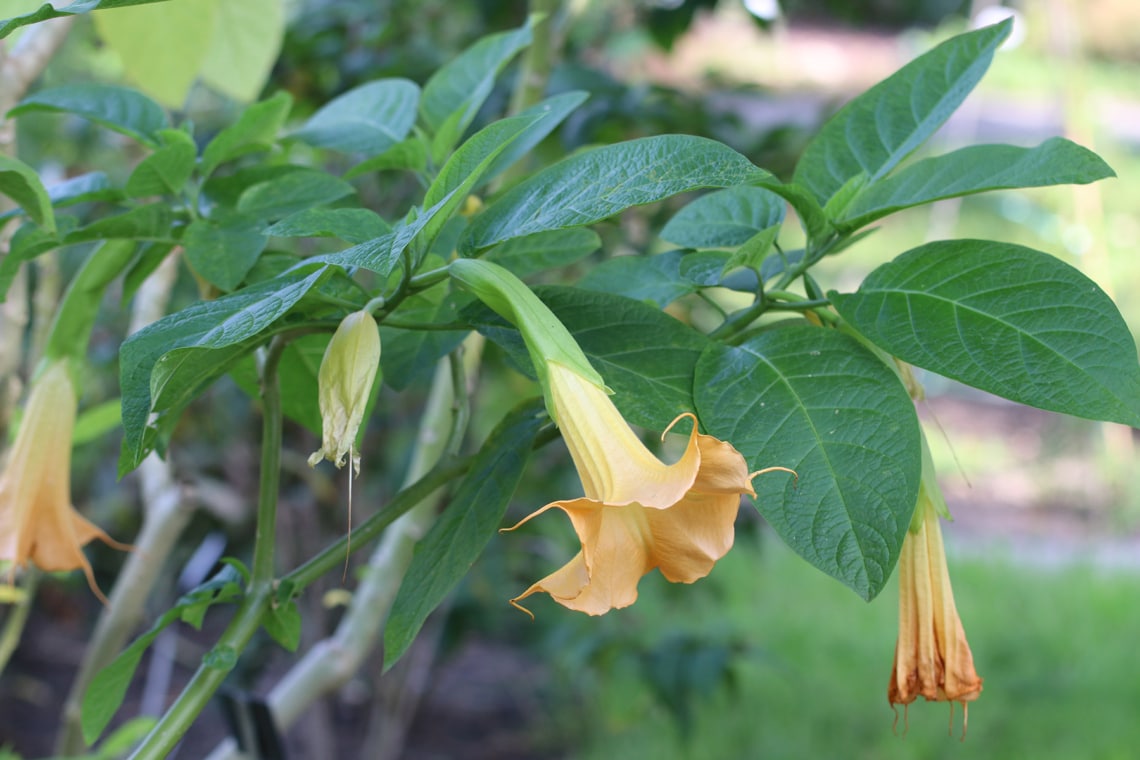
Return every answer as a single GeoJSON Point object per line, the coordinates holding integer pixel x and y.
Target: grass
{"type": "Point", "coordinates": [1056, 648]}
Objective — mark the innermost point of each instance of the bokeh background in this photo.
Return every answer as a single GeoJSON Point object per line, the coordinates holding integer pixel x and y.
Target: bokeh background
{"type": "Point", "coordinates": [766, 657]}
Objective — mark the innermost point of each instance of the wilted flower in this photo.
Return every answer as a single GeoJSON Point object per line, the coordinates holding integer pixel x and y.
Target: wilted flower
{"type": "Point", "coordinates": [638, 513]}
{"type": "Point", "coordinates": [348, 371]}
{"type": "Point", "coordinates": [37, 521]}
{"type": "Point", "coordinates": [932, 657]}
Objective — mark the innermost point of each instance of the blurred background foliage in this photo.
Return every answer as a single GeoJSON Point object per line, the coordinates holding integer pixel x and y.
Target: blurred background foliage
{"type": "Point", "coordinates": [766, 658]}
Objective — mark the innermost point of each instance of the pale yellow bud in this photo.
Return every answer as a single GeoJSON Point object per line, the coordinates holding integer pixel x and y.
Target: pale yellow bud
{"type": "Point", "coordinates": [348, 371]}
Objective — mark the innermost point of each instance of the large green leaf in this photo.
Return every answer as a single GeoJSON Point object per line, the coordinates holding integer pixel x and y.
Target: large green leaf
{"type": "Point", "coordinates": [461, 533]}
{"type": "Point", "coordinates": [255, 130]}
{"type": "Point", "coordinates": [646, 356]}
{"type": "Point", "coordinates": [162, 47]}
{"type": "Point", "coordinates": [166, 171]}
{"type": "Point", "coordinates": [976, 169]}
{"type": "Point", "coordinates": [655, 278]}
{"type": "Point", "coordinates": [355, 225]}
{"type": "Point", "coordinates": [456, 91]}
{"type": "Point", "coordinates": [820, 403]}
{"type": "Point", "coordinates": [367, 119]}
{"type": "Point", "coordinates": [20, 182]}
{"type": "Point", "coordinates": [163, 365]}
{"type": "Point", "coordinates": [725, 218]}
{"type": "Point", "coordinates": [553, 111]}
{"type": "Point", "coordinates": [1010, 320]}
{"type": "Point", "coordinates": [291, 192]}
{"type": "Point", "coordinates": [48, 11]}
{"type": "Point", "coordinates": [150, 222]}
{"type": "Point", "coordinates": [245, 44]}
{"type": "Point", "coordinates": [596, 184]}
{"type": "Point", "coordinates": [118, 108]}
{"type": "Point", "coordinates": [869, 136]}
{"type": "Point", "coordinates": [467, 165]}
{"type": "Point", "coordinates": [223, 253]}
{"type": "Point", "coordinates": [545, 250]}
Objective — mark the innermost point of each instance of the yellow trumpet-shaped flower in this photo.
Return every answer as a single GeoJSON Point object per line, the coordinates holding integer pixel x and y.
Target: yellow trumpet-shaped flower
{"type": "Point", "coordinates": [932, 656]}
{"type": "Point", "coordinates": [37, 521]}
{"type": "Point", "coordinates": [638, 513]}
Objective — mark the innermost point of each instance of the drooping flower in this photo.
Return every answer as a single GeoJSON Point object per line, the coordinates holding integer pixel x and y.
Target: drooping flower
{"type": "Point", "coordinates": [638, 513]}
{"type": "Point", "coordinates": [37, 521]}
{"type": "Point", "coordinates": [345, 379]}
{"type": "Point", "coordinates": [932, 656]}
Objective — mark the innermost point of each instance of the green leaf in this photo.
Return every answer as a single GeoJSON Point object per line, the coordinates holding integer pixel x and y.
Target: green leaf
{"type": "Point", "coordinates": [725, 218]}
{"type": "Point", "coordinates": [283, 623]}
{"type": "Point", "coordinates": [291, 192]}
{"type": "Point", "coordinates": [150, 222]}
{"type": "Point", "coordinates": [223, 253]}
{"type": "Point", "coordinates": [545, 250]}
{"type": "Point", "coordinates": [1010, 320]}
{"type": "Point", "coordinates": [461, 533]}
{"type": "Point", "coordinates": [126, 111]}
{"type": "Point", "coordinates": [255, 130]}
{"type": "Point", "coordinates": [29, 242]}
{"type": "Point", "coordinates": [367, 119]}
{"type": "Point", "coordinates": [655, 278]}
{"type": "Point", "coordinates": [96, 422]}
{"type": "Point", "coordinates": [47, 11]}
{"type": "Point", "coordinates": [596, 184]}
{"type": "Point", "coordinates": [245, 44]}
{"type": "Point", "coordinates": [109, 685]}
{"type": "Point", "coordinates": [85, 188]}
{"type": "Point", "coordinates": [817, 401]}
{"type": "Point", "coordinates": [222, 657]}
{"type": "Point", "coordinates": [188, 349]}
{"type": "Point", "coordinates": [466, 167]}
{"type": "Point", "coordinates": [646, 356]}
{"type": "Point", "coordinates": [162, 47]}
{"type": "Point", "coordinates": [410, 154]}
{"type": "Point", "coordinates": [874, 132]}
{"type": "Point", "coordinates": [409, 355]}
{"type": "Point", "coordinates": [553, 111]}
{"type": "Point", "coordinates": [166, 171]}
{"type": "Point", "coordinates": [455, 92]}
{"type": "Point", "coordinates": [21, 183]}
{"type": "Point", "coordinates": [475, 155]}
{"type": "Point", "coordinates": [975, 169]}
{"type": "Point", "coordinates": [356, 225]}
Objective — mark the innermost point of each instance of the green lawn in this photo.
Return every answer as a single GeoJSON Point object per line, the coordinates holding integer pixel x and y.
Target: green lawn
{"type": "Point", "coordinates": [1057, 649]}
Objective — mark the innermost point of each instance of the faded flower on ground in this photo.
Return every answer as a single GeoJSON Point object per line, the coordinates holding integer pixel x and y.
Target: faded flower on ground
{"type": "Point", "coordinates": [932, 657]}
{"type": "Point", "coordinates": [37, 521]}
{"type": "Point", "coordinates": [638, 513]}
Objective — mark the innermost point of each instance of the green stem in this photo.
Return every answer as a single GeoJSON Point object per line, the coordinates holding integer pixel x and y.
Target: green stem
{"type": "Point", "coordinates": [265, 539]}
{"type": "Point", "coordinates": [18, 617]}
{"type": "Point", "coordinates": [174, 723]}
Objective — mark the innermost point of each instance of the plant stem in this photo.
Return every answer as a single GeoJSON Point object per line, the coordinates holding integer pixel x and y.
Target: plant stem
{"type": "Point", "coordinates": [174, 723]}
{"type": "Point", "coordinates": [265, 538]}
{"type": "Point", "coordinates": [18, 617]}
